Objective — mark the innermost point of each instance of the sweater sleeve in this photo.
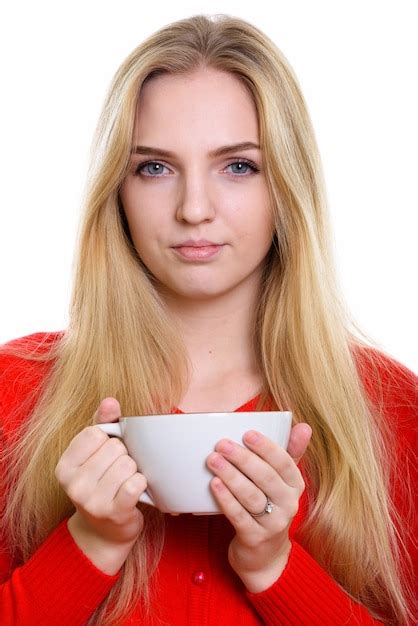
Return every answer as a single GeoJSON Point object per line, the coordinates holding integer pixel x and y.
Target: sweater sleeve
{"type": "Point", "coordinates": [305, 593]}
{"type": "Point", "coordinates": [58, 585]}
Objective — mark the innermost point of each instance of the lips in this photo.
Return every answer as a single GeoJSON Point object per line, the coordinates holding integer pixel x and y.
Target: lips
{"type": "Point", "coordinates": [198, 250]}
{"type": "Point", "coordinates": [199, 243]}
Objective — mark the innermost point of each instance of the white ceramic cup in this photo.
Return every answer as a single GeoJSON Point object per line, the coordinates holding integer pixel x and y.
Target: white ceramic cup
{"type": "Point", "coordinates": [171, 451]}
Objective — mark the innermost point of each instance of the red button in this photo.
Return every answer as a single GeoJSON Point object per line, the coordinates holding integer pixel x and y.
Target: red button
{"type": "Point", "coordinates": [199, 578]}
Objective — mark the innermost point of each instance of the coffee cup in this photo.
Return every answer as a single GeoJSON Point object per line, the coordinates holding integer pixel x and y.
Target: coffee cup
{"type": "Point", "coordinates": [171, 451]}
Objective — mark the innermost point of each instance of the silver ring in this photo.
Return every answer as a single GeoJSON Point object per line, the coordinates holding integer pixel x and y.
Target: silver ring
{"type": "Point", "coordinates": [267, 509]}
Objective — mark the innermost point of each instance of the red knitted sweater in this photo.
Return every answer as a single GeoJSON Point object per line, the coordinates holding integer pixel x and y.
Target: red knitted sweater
{"type": "Point", "coordinates": [194, 583]}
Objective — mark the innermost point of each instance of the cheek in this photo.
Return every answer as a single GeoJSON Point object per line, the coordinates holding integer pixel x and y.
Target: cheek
{"type": "Point", "coordinates": [142, 223]}
{"type": "Point", "coordinates": [257, 228]}
{"type": "Point", "coordinates": [143, 234]}
{"type": "Point", "coordinates": [252, 214]}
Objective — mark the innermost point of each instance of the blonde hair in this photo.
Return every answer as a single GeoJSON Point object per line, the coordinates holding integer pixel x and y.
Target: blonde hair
{"type": "Point", "coordinates": [120, 341]}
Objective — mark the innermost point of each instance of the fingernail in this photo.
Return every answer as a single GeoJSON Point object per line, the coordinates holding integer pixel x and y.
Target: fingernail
{"type": "Point", "coordinates": [216, 460]}
{"type": "Point", "coordinates": [225, 446]}
{"type": "Point", "coordinates": [252, 436]}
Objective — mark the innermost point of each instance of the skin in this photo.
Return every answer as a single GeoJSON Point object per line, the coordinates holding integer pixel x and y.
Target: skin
{"type": "Point", "coordinates": [196, 196]}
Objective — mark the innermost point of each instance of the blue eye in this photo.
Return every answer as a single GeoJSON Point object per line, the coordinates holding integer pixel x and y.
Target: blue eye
{"type": "Point", "coordinates": [155, 164]}
{"type": "Point", "coordinates": [147, 169]}
{"type": "Point", "coordinates": [242, 164]}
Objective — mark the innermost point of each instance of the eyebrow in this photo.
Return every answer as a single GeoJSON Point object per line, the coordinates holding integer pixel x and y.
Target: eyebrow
{"type": "Point", "coordinates": [243, 145]}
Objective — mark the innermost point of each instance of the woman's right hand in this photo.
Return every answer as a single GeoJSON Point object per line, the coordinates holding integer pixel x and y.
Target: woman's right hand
{"type": "Point", "coordinates": [103, 482]}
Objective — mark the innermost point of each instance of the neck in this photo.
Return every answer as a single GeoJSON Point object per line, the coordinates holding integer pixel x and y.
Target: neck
{"type": "Point", "coordinates": [218, 332]}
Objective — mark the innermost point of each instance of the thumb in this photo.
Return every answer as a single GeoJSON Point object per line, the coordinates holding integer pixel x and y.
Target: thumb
{"type": "Point", "coordinates": [300, 437]}
{"type": "Point", "coordinates": [108, 411]}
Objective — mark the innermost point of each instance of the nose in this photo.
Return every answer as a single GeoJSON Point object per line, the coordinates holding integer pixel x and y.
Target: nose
{"type": "Point", "coordinates": [195, 203]}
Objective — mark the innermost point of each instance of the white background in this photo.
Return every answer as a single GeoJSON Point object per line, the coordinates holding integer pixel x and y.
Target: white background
{"type": "Point", "coordinates": [357, 66]}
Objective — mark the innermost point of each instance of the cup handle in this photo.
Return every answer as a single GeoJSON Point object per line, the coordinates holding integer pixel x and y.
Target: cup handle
{"type": "Point", "coordinates": [114, 430]}
{"type": "Point", "coordinates": [146, 498]}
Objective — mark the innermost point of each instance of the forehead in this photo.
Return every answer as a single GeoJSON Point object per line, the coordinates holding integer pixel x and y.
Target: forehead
{"type": "Point", "coordinates": [194, 107]}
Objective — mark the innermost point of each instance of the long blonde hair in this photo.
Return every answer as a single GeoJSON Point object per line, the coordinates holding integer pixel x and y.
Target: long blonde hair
{"type": "Point", "coordinates": [120, 341]}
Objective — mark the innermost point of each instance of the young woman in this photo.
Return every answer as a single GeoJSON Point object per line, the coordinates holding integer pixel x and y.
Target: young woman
{"type": "Point", "coordinates": [205, 282]}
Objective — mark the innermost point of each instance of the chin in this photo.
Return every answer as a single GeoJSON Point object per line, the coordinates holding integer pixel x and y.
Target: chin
{"type": "Point", "coordinates": [200, 295]}
{"type": "Point", "coordinates": [198, 287]}
{"type": "Point", "coordinates": [196, 293]}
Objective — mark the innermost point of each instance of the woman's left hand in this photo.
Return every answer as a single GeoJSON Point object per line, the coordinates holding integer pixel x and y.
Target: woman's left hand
{"type": "Point", "coordinates": [260, 549]}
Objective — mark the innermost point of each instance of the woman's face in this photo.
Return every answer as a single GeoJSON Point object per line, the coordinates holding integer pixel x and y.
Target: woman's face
{"type": "Point", "coordinates": [192, 194]}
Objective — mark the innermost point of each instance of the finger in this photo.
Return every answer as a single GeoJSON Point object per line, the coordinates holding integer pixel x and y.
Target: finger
{"type": "Point", "coordinates": [107, 411]}
{"type": "Point", "coordinates": [248, 488]}
{"type": "Point", "coordinates": [86, 443]}
{"type": "Point", "coordinates": [81, 481]}
{"type": "Point", "coordinates": [298, 442]}
{"type": "Point", "coordinates": [274, 457]}
{"type": "Point", "coordinates": [128, 493]}
{"type": "Point", "coordinates": [242, 521]}
{"type": "Point", "coordinates": [99, 462]}
{"type": "Point", "coordinates": [300, 437]}
{"type": "Point", "coordinates": [121, 470]}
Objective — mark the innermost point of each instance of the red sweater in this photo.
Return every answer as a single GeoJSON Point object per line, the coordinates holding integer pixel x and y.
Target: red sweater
{"type": "Point", "coordinates": [195, 584]}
